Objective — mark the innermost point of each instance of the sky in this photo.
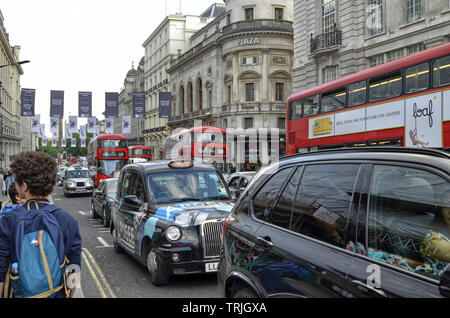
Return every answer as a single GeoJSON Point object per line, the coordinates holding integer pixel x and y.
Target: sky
{"type": "Point", "coordinates": [83, 45]}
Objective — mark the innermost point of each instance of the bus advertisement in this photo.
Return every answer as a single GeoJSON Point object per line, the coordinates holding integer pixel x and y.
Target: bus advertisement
{"type": "Point", "coordinates": [405, 102]}
{"type": "Point", "coordinates": [107, 155]}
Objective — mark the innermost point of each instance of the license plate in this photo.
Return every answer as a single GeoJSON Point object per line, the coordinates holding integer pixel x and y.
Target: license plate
{"type": "Point", "coordinates": [211, 267]}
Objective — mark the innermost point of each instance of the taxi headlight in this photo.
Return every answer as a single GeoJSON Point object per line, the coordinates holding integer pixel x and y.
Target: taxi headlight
{"type": "Point", "coordinates": [90, 183]}
{"type": "Point", "coordinates": [71, 184]}
{"type": "Point", "coordinates": [173, 233]}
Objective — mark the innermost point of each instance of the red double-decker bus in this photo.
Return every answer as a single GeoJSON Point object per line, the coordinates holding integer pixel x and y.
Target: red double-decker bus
{"type": "Point", "coordinates": [144, 152]}
{"type": "Point", "coordinates": [107, 154]}
{"type": "Point", "coordinates": [405, 102]}
{"type": "Point", "coordinates": [200, 144]}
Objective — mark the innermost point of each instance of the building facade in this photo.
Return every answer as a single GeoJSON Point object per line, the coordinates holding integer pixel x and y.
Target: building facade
{"type": "Point", "coordinates": [170, 39]}
{"type": "Point", "coordinates": [336, 38]}
{"type": "Point", "coordinates": [237, 75]}
{"type": "Point", "coordinates": [11, 132]}
{"type": "Point", "coordinates": [133, 82]}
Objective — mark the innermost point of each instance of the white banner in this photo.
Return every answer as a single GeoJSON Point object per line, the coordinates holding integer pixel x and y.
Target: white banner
{"type": "Point", "coordinates": [63, 142]}
{"type": "Point", "coordinates": [83, 143]}
{"type": "Point", "coordinates": [126, 125]}
{"type": "Point", "coordinates": [54, 124]}
{"type": "Point", "coordinates": [390, 115]}
{"type": "Point", "coordinates": [73, 143]}
{"type": "Point", "coordinates": [55, 134]}
{"type": "Point", "coordinates": [54, 142]}
{"type": "Point", "coordinates": [350, 122]}
{"type": "Point", "coordinates": [35, 122]}
{"type": "Point", "coordinates": [41, 132]}
{"type": "Point", "coordinates": [92, 123]}
{"type": "Point", "coordinates": [83, 132]}
{"type": "Point", "coordinates": [44, 141]}
{"type": "Point", "coordinates": [97, 131]}
{"type": "Point", "coordinates": [109, 126]}
{"type": "Point", "coordinates": [68, 131]}
{"type": "Point", "coordinates": [73, 124]}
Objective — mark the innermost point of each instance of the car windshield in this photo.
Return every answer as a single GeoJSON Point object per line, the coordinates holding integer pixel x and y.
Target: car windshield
{"type": "Point", "coordinates": [186, 185]}
{"type": "Point", "coordinates": [111, 187]}
{"type": "Point", "coordinates": [79, 174]}
{"type": "Point", "coordinates": [108, 167]}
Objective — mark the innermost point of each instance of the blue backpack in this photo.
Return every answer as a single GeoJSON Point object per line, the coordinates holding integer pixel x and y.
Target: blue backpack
{"type": "Point", "coordinates": [39, 251]}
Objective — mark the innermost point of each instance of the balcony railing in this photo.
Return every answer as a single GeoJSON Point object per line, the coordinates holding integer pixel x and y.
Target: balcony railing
{"type": "Point", "coordinates": [259, 25]}
{"type": "Point", "coordinates": [326, 41]}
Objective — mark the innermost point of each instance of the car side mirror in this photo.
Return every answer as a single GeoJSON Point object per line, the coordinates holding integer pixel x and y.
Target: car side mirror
{"type": "Point", "coordinates": [132, 200]}
{"type": "Point", "coordinates": [98, 192]}
{"type": "Point", "coordinates": [444, 284]}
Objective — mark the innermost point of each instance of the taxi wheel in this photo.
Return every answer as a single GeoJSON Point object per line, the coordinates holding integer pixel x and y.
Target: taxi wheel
{"type": "Point", "coordinates": [245, 293]}
{"type": "Point", "coordinates": [117, 247]}
{"type": "Point", "coordinates": [158, 270]}
{"type": "Point", "coordinates": [105, 218]}
{"type": "Point", "coordinates": [94, 214]}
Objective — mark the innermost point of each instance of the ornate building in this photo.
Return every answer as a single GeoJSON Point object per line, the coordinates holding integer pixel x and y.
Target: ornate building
{"type": "Point", "coordinates": [11, 132]}
{"type": "Point", "coordinates": [238, 75]}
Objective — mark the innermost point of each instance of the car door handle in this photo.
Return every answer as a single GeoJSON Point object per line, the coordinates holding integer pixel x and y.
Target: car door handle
{"type": "Point", "coordinates": [369, 288]}
{"type": "Point", "coordinates": [265, 241]}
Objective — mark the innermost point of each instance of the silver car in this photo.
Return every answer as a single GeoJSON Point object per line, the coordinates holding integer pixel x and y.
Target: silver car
{"type": "Point", "coordinates": [78, 180]}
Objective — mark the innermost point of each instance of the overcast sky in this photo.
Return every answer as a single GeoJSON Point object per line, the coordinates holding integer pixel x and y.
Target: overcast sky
{"type": "Point", "coordinates": [83, 45]}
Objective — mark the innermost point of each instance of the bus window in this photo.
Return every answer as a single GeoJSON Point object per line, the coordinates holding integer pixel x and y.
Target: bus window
{"type": "Point", "coordinates": [385, 86]}
{"type": "Point", "coordinates": [357, 93]}
{"type": "Point", "coordinates": [295, 109]}
{"type": "Point", "coordinates": [334, 100]}
{"type": "Point", "coordinates": [311, 105]}
{"type": "Point", "coordinates": [417, 78]}
{"type": "Point", "coordinates": [441, 68]}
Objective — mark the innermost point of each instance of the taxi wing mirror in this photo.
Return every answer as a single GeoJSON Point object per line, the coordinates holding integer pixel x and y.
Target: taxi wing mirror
{"type": "Point", "coordinates": [444, 284]}
{"type": "Point", "coordinates": [132, 200]}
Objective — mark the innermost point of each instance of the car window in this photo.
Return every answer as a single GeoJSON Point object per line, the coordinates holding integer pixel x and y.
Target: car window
{"type": "Point", "coordinates": [111, 187]}
{"type": "Point", "coordinates": [323, 201]}
{"type": "Point", "coordinates": [137, 187]}
{"type": "Point", "coordinates": [125, 189]}
{"type": "Point", "coordinates": [234, 182]}
{"type": "Point", "coordinates": [266, 196]}
{"type": "Point", "coordinates": [280, 215]}
{"type": "Point", "coordinates": [243, 183]}
{"type": "Point", "coordinates": [409, 219]}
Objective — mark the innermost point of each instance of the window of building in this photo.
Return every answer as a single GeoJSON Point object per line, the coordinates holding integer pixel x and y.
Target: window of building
{"type": "Point", "coordinates": [376, 60]}
{"type": "Point", "coordinates": [281, 123]}
{"type": "Point", "coordinates": [248, 123]}
{"type": "Point", "coordinates": [323, 202]}
{"type": "Point", "coordinates": [295, 109]}
{"type": "Point", "coordinates": [278, 13]}
{"type": "Point", "coordinates": [441, 71]}
{"type": "Point", "coordinates": [416, 48]}
{"type": "Point", "coordinates": [357, 93]}
{"type": "Point", "coordinates": [413, 10]}
{"type": "Point", "coordinates": [334, 100]}
{"type": "Point", "coordinates": [394, 55]}
{"type": "Point", "coordinates": [311, 105]}
{"type": "Point", "coordinates": [267, 195]}
{"type": "Point", "coordinates": [279, 92]}
{"type": "Point", "coordinates": [375, 17]}
{"type": "Point", "coordinates": [328, 16]}
{"type": "Point", "coordinates": [250, 60]}
{"type": "Point", "coordinates": [417, 78]}
{"type": "Point", "coordinates": [385, 86]}
{"type": "Point", "coordinates": [249, 14]}
{"type": "Point", "coordinates": [228, 18]}
{"type": "Point", "coordinates": [406, 222]}
{"type": "Point", "coordinates": [249, 92]}
{"type": "Point", "coordinates": [225, 123]}
{"type": "Point", "coordinates": [330, 73]}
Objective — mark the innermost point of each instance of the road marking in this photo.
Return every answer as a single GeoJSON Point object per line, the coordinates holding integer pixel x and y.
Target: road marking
{"type": "Point", "coordinates": [103, 242]}
{"type": "Point", "coordinates": [83, 213]}
{"type": "Point", "coordinates": [94, 277]}
{"type": "Point", "coordinates": [102, 276]}
{"type": "Point", "coordinates": [104, 231]}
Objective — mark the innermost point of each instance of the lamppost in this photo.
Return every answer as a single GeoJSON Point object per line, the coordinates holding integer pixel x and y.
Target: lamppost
{"type": "Point", "coordinates": [2, 155]}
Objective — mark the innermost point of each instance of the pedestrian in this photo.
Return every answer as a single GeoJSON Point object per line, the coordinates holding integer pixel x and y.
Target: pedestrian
{"type": "Point", "coordinates": [3, 184]}
{"type": "Point", "coordinates": [9, 180]}
{"type": "Point", "coordinates": [14, 201]}
{"type": "Point", "coordinates": [44, 225]}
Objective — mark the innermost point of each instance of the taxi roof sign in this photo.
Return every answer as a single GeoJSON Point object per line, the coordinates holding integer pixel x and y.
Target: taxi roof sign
{"type": "Point", "coordinates": [181, 164]}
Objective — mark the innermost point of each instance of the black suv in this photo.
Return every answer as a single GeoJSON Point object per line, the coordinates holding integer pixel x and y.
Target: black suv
{"type": "Point", "coordinates": [342, 223]}
{"type": "Point", "coordinates": [168, 215]}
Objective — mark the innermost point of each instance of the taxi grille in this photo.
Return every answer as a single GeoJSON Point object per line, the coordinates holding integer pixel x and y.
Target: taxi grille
{"type": "Point", "coordinates": [211, 238]}
{"type": "Point", "coordinates": [80, 184]}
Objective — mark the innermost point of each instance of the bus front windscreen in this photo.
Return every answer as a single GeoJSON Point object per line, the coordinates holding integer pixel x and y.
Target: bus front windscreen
{"type": "Point", "coordinates": [108, 167]}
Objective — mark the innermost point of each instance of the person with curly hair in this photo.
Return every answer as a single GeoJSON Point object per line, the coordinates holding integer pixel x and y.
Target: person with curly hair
{"type": "Point", "coordinates": [35, 177]}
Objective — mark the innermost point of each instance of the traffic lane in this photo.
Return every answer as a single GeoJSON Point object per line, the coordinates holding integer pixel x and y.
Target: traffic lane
{"type": "Point", "coordinates": [126, 277]}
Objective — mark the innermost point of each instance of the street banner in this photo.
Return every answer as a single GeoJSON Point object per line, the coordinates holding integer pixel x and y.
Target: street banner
{"type": "Point", "coordinates": [55, 134]}
{"type": "Point", "coordinates": [139, 105]}
{"type": "Point", "coordinates": [111, 105]}
{"type": "Point", "coordinates": [73, 124]}
{"type": "Point", "coordinates": [63, 142]}
{"type": "Point", "coordinates": [165, 104]}
{"type": "Point", "coordinates": [54, 124]}
{"type": "Point", "coordinates": [109, 126]}
{"type": "Point", "coordinates": [83, 142]}
{"type": "Point", "coordinates": [54, 142]}
{"type": "Point", "coordinates": [83, 131]}
{"type": "Point", "coordinates": [41, 132]}
{"type": "Point", "coordinates": [27, 97]}
{"type": "Point", "coordinates": [73, 142]}
{"type": "Point", "coordinates": [57, 104]}
{"type": "Point", "coordinates": [92, 122]}
{"type": "Point", "coordinates": [85, 104]}
{"type": "Point", "coordinates": [68, 131]}
{"type": "Point", "coordinates": [126, 124]}
{"type": "Point", "coordinates": [97, 131]}
{"type": "Point", "coordinates": [35, 122]}
{"type": "Point", "coordinates": [44, 141]}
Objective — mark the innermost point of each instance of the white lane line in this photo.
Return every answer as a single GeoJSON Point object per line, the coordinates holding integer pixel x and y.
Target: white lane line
{"type": "Point", "coordinates": [103, 242]}
{"type": "Point", "coordinates": [84, 213]}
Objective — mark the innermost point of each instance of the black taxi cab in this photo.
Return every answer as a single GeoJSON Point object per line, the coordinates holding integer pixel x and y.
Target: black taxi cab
{"type": "Point", "coordinates": [168, 215]}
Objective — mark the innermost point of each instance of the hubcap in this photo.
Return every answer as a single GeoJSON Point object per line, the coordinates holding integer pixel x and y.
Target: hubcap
{"type": "Point", "coordinates": [151, 263]}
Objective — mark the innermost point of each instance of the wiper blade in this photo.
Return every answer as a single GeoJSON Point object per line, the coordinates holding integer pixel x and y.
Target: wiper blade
{"type": "Point", "coordinates": [219, 197]}
{"type": "Point", "coordinates": [184, 200]}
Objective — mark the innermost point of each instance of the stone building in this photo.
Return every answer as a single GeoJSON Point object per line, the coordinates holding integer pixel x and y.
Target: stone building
{"type": "Point", "coordinates": [133, 82]}
{"type": "Point", "coordinates": [11, 133]}
{"type": "Point", "coordinates": [166, 43]}
{"type": "Point", "coordinates": [336, 38]}
{"type": "Point", "coordinates": [237, 75]}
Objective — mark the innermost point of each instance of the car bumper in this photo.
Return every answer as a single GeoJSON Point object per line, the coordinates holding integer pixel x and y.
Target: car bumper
{"type": "Point", "coordinates": [187, 262]}
{"type": "Point", "coordinates": [80, 190]}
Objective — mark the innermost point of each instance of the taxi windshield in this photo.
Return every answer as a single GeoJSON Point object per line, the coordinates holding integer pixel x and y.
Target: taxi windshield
{"type": "Point", "coordinates": [186, 185]}
{"type": "Point", "coordinates": [79, 174]}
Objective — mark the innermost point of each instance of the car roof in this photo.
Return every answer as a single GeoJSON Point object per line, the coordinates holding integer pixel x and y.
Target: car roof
{"type": "Point", "coordinates": [424, 156]}
{"type": "Point", "coordinates": [163, 165]}
{"type": "Point", "coordinates": [77, 168]}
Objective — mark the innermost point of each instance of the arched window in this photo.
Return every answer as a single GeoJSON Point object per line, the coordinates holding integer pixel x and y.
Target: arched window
{"type": "Point", "coordinates": [190, 98]}
{"type": "Point", "coordinates": [200, 94]}
{"type": "Point", "coordinates": [182, 99]}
